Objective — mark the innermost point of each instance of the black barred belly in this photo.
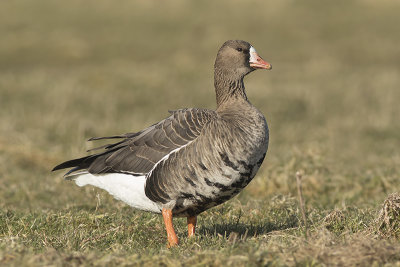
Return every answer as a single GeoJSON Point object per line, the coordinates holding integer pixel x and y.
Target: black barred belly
{"type": "Point", "coordinates": [193, 204]}
{"type": "Point", "coordinates": [189, 187]}
{"type": "Point", "coordinates": [209, 193]}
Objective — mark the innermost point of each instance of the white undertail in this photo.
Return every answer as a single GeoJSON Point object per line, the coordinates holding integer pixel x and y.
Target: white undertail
{"type": "Point", "coordinates": [124, 187]}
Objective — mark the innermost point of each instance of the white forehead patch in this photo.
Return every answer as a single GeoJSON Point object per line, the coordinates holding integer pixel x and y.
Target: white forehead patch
{"type": "Point", "coordinates": [253, 54]}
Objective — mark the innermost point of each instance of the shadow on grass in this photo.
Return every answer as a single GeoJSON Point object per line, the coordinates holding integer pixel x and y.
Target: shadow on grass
{"type": "Point", "coordinates": [246, 229]}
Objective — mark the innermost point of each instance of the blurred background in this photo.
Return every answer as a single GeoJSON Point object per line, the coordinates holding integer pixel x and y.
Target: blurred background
{"type": "Point", "coordinates": [71, 70]}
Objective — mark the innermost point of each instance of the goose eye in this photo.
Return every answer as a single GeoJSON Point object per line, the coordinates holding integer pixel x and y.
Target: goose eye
{"type": "Point", "coordinates": [239, 49]}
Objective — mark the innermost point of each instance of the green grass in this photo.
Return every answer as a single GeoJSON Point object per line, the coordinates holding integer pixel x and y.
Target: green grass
{"type": "Point", "coordinates": [72, 70]}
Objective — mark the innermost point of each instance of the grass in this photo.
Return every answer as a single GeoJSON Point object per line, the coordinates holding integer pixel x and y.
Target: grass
{"type": "Point", "coordinates": [73, 70]}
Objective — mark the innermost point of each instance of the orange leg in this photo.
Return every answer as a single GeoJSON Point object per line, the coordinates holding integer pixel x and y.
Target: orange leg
{"type": "Point", "coordinates": [172, 238]}
{"type": "Point", "coordinates": [191, 221]}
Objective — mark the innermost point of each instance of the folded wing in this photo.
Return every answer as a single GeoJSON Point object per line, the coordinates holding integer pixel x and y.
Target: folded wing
{"type": "Point", "coordinates": [138, 153]}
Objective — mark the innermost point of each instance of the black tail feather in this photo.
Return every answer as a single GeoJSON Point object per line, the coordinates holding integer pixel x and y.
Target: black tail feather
{"type": "Point", "coordinates": [82, 163]}
{"type": "Point", "coordinates": [127, 135]}
{"type": "Point", "coordinates": [73, 170]}
{"type": "Point", "coordinates": [85, 162]}
{"type": "Point", "coordinates": [107, 137]}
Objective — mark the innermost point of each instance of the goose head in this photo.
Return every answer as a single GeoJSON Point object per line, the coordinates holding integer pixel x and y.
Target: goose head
{"type": "Point", "coordinates": [238, 58]}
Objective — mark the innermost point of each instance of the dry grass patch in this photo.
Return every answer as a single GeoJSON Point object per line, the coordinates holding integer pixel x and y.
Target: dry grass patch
{"type": "Point", "coordinates": [388, 221]}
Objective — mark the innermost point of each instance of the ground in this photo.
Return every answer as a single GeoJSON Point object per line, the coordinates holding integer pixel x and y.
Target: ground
{"type": "Point", "coordinates": [73, 70]}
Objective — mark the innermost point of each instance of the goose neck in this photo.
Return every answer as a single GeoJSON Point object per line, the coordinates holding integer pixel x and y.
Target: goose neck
{"type": "Point", "coordinates": [228, 87]}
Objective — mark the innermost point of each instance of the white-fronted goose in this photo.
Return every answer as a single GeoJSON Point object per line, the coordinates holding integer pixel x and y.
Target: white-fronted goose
{"type": "Point", "coordinates": [191, 161]}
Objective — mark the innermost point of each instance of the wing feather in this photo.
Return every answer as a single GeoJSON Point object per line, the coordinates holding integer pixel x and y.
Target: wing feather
{"type": "Point", "coordinates": [138, 153]}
